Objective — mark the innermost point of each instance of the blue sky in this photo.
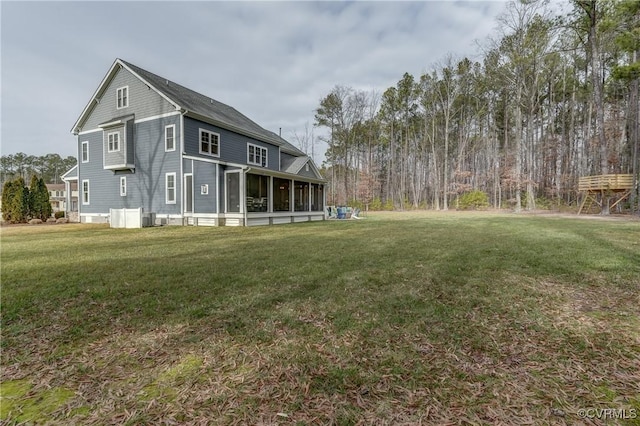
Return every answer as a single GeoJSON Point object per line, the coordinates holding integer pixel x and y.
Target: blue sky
{"type": "Point", "coordinates": [272, 61]}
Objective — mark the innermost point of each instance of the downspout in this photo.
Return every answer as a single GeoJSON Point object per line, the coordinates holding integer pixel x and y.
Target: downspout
{"type": "Point", "coordinates": [182, 114]}
{"type": "Point", "coordinates": [243, 193]}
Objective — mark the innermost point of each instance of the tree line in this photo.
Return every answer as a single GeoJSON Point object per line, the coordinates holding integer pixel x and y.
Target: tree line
{"type": "Point", "coordinates": [553, 98]}
{"type": "Point", "coordinates": [49, 167]}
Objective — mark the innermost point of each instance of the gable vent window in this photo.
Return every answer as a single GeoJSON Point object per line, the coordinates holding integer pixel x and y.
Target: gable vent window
{"type": "Point", "coordinates": [114, 142]}
{"type": "Point", "coordinates": [122, 97]}
{"type": "Point", "coordinates": [257, 155]}
{"type": "Point", "coordinates": [209, 143]}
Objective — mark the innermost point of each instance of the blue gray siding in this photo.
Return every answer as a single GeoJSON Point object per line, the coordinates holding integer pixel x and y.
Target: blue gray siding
{"type": "Point", "coordinates": [233, 147]}
{"type": "Point", "coordinates": [143, 101]}
{"type": "Point", "coordinates": [310, 174]}
{"type": "Point", "coordinates": [204, 174]}
{"type": "Point", "coordinates": [146, 185]}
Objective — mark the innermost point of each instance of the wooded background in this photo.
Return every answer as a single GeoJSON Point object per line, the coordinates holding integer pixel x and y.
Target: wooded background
{"type": "Point", "coordinates": [554, 97]}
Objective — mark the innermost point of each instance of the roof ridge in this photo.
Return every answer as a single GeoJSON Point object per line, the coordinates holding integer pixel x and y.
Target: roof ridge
{"type": "Point", "coordinates": [212, 108]}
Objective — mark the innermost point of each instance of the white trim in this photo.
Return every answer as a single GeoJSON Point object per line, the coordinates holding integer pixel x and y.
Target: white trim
{"type": "Point", "coordinates": [141, 120]}
{"type": "Point", "coordinates": [258, 149]}
{"type": "Point", "coordinates": [217, 188]}
{"type": "Point", "coordinates": [241, 191]}
{"type": "Point", "coordinates": [166, 188]}
{"type": "Point", "coordinates": [64, 176]}
{"type": "Point", "coordinates": [173, 128]}
{"type": "Point", "coordinates": [214, 161]}
{"type": "Point", "coordinates": [184, 194]}
{"type": "Point", "coordinates": [211, 134]}
{"type": "Point", "coordinates": [123, 186]}
{"type": "Point", "coordinates": [155, 117]}
{"type": "Point", "coordinates": [86, 132]}
{"type": "Point", "coordinates": [125, 97]}
{"type": "Point", "coordinates": [165, 97]}
{"type": "Point", "coordinates": [82, 192]}
{"type": "Point", "coordinates": [82, 145]}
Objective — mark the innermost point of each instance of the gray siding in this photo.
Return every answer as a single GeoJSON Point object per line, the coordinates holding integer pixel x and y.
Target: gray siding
{"type": "Point", "coordinates": [146, 185]}
{"type": "Point", "coordinates": [114, 158]}
{"type": "Point", "coordinates": [143, 101]}
{"type": "Point", "coordinates": [305, 173]}
{"type": "Point", "coordinates": [204, 174]}
{"type": "Point", "coordinates": [233, 147]}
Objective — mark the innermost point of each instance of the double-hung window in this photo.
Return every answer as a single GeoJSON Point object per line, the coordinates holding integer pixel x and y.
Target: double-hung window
{"type": "Point", "coordinates": [169, 138]}
{"type": "Point", "coordinates": [114, 141]}
{"type": "Point", "coordinates": [122, 97]}
{"type": "Point", "coordinates": [170, 188]}
{"type": "Point", "coordinates": [85, 152]}
{"type": "Point", "coordinates": [256, 155]}
{"type": "Point", "coordinates": [85, 192]}
{"type": "Point", "coordinates": [209, 143]}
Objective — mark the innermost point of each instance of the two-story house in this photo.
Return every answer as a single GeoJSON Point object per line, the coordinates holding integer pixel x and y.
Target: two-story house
{"type": "Point", "coordinates": [185, 158]}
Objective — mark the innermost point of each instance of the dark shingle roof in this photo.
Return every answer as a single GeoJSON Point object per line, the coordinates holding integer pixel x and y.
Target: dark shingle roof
{"type": "Point", "coordinates": [202, 105]}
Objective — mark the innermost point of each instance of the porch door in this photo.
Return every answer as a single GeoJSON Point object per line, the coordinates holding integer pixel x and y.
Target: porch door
{"type": "Point", "coordinates": [233, 190]}
{"type": "Point", "coordinates": [188, 193]}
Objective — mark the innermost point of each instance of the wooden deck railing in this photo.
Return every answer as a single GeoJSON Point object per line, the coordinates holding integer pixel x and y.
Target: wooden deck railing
{"type": "Point", "coordinates": [605, 182]}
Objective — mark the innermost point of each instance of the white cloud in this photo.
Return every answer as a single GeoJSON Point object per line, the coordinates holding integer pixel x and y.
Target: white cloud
{"type": "Point", "coordinates": [273, 61]}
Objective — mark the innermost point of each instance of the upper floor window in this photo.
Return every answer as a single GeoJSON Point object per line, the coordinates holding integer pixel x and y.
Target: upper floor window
{"type": "Point", "coordinates": [85, 151]}
{"type": "Point", "coordinates": [169, 138]}
{"type": "Point", "coordinates": [114, 142]}
{"type": "Point", "coordinates": [257, 155]}
{"type": "Point", "coordinates": [209, 143]}
{"type": "Point", "coordinates": [122, 97]}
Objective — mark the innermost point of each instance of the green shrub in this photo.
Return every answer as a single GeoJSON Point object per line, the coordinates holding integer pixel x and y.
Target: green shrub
{"type": "Point", "coordinates": [59, 214]}
{"type": "Point", "coordinates": [473, 200]}
{"type": "Point", "coordinates": [376, 204]}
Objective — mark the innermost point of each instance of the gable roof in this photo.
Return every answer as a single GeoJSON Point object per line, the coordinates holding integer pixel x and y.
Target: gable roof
{"type": "Point", "coordinates": [294, 165]}
{"type": "Point", "coordinates": [196, 105]}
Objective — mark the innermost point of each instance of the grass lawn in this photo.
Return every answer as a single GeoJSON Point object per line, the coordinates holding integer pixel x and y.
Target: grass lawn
{"type": "Point", "coordinates": [409, 318]}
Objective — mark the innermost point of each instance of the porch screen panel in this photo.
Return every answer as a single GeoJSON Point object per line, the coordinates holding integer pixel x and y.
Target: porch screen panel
{"type": "Point", "coordinates": [257, 193]}
{"type": "Point", "coordinates": [301, 194]}
{"type": "Point", "coordinates": [317, 197]}
{"type": "Point", "coordinates": [281, 200]}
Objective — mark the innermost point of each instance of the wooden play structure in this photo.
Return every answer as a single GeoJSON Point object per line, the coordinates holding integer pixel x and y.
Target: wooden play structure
{"type": "Point", "coordinates": [596, 189]}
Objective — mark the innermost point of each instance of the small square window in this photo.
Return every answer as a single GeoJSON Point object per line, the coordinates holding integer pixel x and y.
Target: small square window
{"type": "Point", "coordinates": [256, 155]}
{"type": "Point", "coordinates": [113, 142]}
{"type": "Point", "coordinates": [209, 143]}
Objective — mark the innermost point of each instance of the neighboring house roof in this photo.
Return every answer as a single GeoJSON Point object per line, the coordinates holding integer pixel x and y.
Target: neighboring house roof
{"type": "Point", "coordinates": [71, 174]}
{"type": "Point", "coordinates": [55, 186]}
{"type": "Point", "coordinates": [193, 104]}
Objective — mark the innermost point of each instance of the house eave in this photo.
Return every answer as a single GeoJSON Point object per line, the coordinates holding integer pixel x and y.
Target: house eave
{"type": "Point", "coordinates": [284, 175]}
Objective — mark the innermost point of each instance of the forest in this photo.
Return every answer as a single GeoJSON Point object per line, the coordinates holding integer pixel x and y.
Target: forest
{"type": "Point", "coordinates": [552, 97]}
{"type": "Point", "coordinates": [49, 167]}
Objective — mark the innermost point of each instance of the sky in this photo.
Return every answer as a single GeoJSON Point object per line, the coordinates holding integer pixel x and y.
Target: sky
{"type": "Point", "coordinates": [272, 61]}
